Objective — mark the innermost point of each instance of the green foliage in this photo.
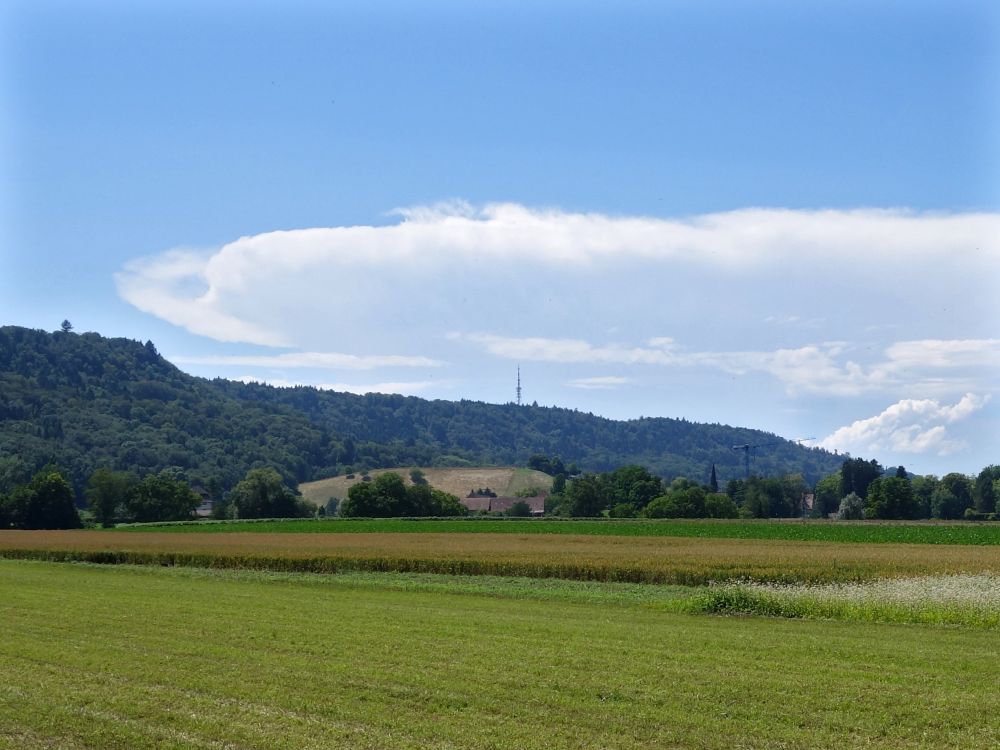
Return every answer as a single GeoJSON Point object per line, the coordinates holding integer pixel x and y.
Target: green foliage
{"type": "Point", "coordinates": [558, 484]}
{"type": "Point", "coordinates": [107, 495]}
{"type": "Point", "coordinates": [586, 496]}
{"type": "Point", "coordinates": [549, 465]}
{"type": "Point", "coordinates": [161, 497]}
{"type": "Point", "coordinates": [720, 505]}
{"type": "Point", "coordinates": [533, 491]}
{"type": "Point", "coordinates": [87, 402]}
{"type": "Point", "coordinates": [952, 496]}
{"type": "Point", "coordinates": [46, 502]}
{"type": "Point", "coordinates": [852, 508]}
{"type": "Point", "coordinates": [622, 510]}
{"type": "Point", "coordinates": [827, 496]}
{"type": "Point", "coordinates": [777, 497]}
{"type": "Point", "coordinates": [263, 494]}
{"type": "Point", "coordinates": [687, 502]}
{"type": "Point", "coordinates": [520, 509]}
{"type": "Point", "coordinates": [923, 492]}
{"type": "Point", "coordinates": [387, 496]}
{"type": "Point", "coordinates": [891, 498]}
{"type": "Point", "coordinates": [985, 490]}
{"type": "Point", "coordinates": [417, 476]}
{"type": "Point", "coordinates": [856, 474]}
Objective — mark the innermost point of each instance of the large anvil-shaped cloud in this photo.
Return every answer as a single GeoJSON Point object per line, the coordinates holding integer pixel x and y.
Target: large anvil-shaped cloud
{"type": "Point", "coordinates": [440, 264]}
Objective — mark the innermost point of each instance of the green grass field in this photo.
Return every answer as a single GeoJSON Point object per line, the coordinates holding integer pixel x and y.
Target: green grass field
{"type": "Point", "coordinates": [123, 657]}
{"type": "Point", "coordinates": [869, 532]}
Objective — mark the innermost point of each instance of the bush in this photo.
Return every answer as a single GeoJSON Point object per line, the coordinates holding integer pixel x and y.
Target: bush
{"type": "Point", "coordinates": [720, 506]}
{"type": "Point", "coordinates": [622, 510]}
{"type": "Point", "coordinates": [852, 508]}
{"type": "Point", "coordinates": [520, 509]}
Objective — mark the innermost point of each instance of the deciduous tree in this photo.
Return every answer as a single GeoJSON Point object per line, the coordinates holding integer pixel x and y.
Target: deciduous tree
{"type": "Point", "coordinates": [46, 502]}
{"type": "Point", "coordinates": [263, 494]}
{"type": "Point", "coordinates": [107, 494]}
{"type": "Point", "coordinates": [161, 497]}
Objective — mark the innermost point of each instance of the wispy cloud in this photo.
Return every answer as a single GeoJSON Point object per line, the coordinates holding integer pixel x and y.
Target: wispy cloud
{"type": "Point", "coordinates": [403, 388]}
{"type": "Point", "coordinates": [599, 383]}
{"type": "Point", "coordinates": [825, 368]}
{"type": "Point", "coordinates": [315, 360]}
{"type": "Point", "coordinates": [538, 349]}
{"type": "Point", "coordinates": [908, 426]}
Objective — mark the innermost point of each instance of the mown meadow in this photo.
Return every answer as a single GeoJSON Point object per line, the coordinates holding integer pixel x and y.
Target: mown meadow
{"type": "Point", "coordinates": [152, 657]}
{"type": "Point", "coordinates": [411, 634]}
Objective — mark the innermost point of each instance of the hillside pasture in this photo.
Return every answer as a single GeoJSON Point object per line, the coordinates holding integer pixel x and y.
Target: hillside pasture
{"type": "Point", "coordinates": [505, 481]}
{"type": "Point", "coordinates": [678, 560]}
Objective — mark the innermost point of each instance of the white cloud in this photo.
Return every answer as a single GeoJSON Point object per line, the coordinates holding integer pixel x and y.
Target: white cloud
{"type": "Point", "coordinates": [599, 383]}
{"type": "Point", "coordinates": [174, 286]}
{"type": "Point", "coordinates": [908, 426]}
{"type": "Point", "coordinates": [270, 288]}
{"type": "Point", "coordinates": [945, 353]}
{"type": "Point", "coordinates": [317, 360]}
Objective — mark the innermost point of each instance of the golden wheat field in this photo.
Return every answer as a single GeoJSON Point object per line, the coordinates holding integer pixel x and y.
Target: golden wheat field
{"type": "Point", "coordinates": [639, 559]}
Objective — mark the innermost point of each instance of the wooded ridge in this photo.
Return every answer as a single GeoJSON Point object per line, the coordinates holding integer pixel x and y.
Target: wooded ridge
{"type": "Point", "coordinates": [83, 401]}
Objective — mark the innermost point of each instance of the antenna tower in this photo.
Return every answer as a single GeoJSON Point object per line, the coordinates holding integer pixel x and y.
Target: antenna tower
{"type": "Point", "coordinates": [519, 385]}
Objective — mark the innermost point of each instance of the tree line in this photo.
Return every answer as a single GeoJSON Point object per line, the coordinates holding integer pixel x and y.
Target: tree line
{"type": "Point", "coordinates": [47, 501]}
{"type": "Point", "coordinates": [863, 489]}
{"type": "Point", "coordinates": [859, 489]}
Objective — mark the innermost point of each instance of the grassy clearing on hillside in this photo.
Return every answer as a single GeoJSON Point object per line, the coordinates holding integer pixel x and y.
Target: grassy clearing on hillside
{"type": "Point", "coordinates": [673, 560]}
{"type": "Point", "coordinates": [505, 481]}
{"type": "Point", "coordinates": [868, 532]}
{"type": "Point", "coordinates": [165, 658]}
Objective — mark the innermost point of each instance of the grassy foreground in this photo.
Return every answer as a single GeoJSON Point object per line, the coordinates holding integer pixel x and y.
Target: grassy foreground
{"type": "Point", "coordinates": [120, 657]}
{"type": "Point", "coordinates": [672, 560]}
{"type": "Point", "coordinates": [866, 532]}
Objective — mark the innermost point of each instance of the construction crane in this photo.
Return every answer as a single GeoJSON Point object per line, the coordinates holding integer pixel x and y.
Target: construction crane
{"type": "Point", "coordinates": [747, 449]}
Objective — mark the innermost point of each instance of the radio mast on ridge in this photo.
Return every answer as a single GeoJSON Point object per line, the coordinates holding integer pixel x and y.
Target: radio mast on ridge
{"type": "Point", "coordinates": [519, 385]}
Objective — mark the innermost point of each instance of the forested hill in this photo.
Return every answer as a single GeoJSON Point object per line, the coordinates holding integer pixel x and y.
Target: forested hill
{"type": "Point", "coordinates": [83, 401]}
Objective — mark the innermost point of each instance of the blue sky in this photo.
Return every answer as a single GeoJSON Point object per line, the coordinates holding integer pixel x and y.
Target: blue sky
{"type": "Point", "coordinates": [771, 214]}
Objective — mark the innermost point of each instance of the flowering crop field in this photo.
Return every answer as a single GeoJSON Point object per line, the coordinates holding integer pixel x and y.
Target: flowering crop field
{"type": "Point", "coordinates": [675, 560]}
{"type": "Point", "coordinates": [153, 657]}
{"type": "Point", "coordinates": [970, 600]}
{"type": "Point", "coordinates": [886, 532]}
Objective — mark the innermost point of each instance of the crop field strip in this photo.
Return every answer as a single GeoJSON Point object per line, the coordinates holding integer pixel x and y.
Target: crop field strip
{"type": "Point", "coordinates": [892, 532]}
{"type": "Point", "coordinates": [120, 657]}
{"type": "Point", "coordinates": [966, 600]}
{"type": "Point", "coordinates": [675, 560]}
